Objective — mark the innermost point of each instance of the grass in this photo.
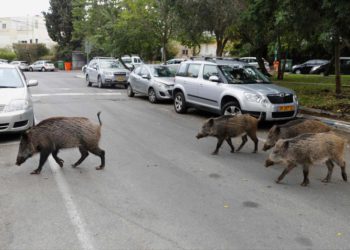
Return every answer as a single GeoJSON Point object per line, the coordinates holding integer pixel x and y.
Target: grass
{"type": "Point", "coordinates": [315, 91]}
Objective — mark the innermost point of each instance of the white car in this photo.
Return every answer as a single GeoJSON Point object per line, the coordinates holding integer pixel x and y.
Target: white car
{"type": "Point", "coordinates": [42, 65]}
{"type": "Point", "coordinates": [22, 65]}
{"type": "Point", "coordinates": [132, 61]}
{"type": "Point", "coordinates": [254, 62]}
{"type": "Point", "coordinates": [16, 106]}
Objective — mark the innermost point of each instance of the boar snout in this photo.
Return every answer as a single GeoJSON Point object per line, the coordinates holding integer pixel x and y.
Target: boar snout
{"type": "Point", "coordinates": [267, 147]}
{"type": "Point", "coordinates": [19, 161]}
{"type": "Point", "coordinates": [200, 135]}
{"type": "Point", "coordinates": [268, 163]}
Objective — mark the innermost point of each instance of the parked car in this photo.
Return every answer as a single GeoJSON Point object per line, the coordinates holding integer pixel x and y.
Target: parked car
{"type": "Point", "coordinates": [155, 81]}
{"type": "Point", "coordinates": [306, 67]}
{"type": "Point", "coordinates": [254, 62]}
{"type": "Point", "coordinates": [22, 65]}
{"type": "Point", "coordinates": [175, 61]}
{"type": "Point", "coordinates": [3, 61]}
{"type": "Point", "coordinates": [344, 67]}
{"type": "Point", "coordinates": [42, 65]}
{"type": "Point", "coordinates": [132, 61]}
{"type": "Point", "coordinates": [106, 71]}
{"type": "Point", "coordinates": [16, 106]}
{"type": "Point", "coordinates": [230, 88]}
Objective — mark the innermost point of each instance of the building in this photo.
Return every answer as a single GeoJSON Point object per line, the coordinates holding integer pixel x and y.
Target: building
{"type": "Point", "coordinates": [29, 29]}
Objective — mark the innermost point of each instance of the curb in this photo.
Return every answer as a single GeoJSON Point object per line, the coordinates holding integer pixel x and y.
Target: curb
{"type": "Point", "coordinates": [344, 126]}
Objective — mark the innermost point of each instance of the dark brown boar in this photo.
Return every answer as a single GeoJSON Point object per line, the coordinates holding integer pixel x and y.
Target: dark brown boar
{"type": "Point", "coordinates": [228, 126]}
{"type": "Point", "coordinates": [56, 133]}
{"type": "Point", "coordinates": [292, 129]}
{"type": "Point", "coordinates": [309, 149]}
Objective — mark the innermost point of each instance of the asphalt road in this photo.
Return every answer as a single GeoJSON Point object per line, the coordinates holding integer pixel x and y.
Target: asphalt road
{"type": "Point", "coordinates": [161, 188]}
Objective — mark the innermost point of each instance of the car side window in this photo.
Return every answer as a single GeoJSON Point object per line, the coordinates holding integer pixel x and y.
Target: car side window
{"type": "Point", "coordinates": [182, 70]}
{"type": "Point", "coordinates": [210, 70]}
{"type": "Point", "coordinates": [144, 71]}
{"type": "Point", "coordinates": [193, 70]}
{"type": "Point", "coordinates": [137, 71]}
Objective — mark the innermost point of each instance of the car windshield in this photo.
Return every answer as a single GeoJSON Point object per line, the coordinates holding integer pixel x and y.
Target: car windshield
{"type": "Point", "coordinates": [9, 78]}
{"type": "Point", "coordinates": [243, 75]}
{"type": "Point", "coordinates": [126, 60]}
{"type": "Point", "coordinates": [110, 65]}
{"type": "Point", "coordinates": [161, 71]}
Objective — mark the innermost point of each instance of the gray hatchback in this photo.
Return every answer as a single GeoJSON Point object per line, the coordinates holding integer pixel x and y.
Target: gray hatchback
{"type": "Point", "coordinates": [155, 81]}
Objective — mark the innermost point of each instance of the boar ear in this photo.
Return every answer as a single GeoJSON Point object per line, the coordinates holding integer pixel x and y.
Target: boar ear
{"type": "Point", "coordinates": [211, 122]}
{"type": "Point", "coordinates": [277, 129]}
{"type": "Point", "coordinates": [285, 145]}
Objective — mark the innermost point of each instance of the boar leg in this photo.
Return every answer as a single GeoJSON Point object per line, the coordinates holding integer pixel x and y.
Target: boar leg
{"type": "Point", "coordinates": [230, 143]}
{"type": "Point", "coordinates": [57, 159]}
{"type": "Point", "coordinates": [342, 165]}
{"type": "Point", "coordinates": [330, 166]}
{"type": "Point", "coordinates": [244, 140]}
{"type": "Point", "coordinates": [84, 153]}
{"type": "Point", "coordinates": [218, 145]}
{"type": "Point", "coordinates": [43, 157]}
{"type": "Point", "coordinates": [286, 171]}
{"type": "Point", "coordinates": [255, 140]}
{"type": "Point", "coordinates": [101, 153]}
{"type": "Point", "coordinates": [306, 176]}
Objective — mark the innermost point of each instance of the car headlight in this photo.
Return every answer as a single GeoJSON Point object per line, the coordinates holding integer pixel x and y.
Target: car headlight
{"type": "Point", "coordinates": [16, 105]}
{"type": "Point", "coordinates": [107, 73]}
{"type": "Point", "coordinates": [295, 99]}
{"type": "Point", "coordinates": [160, 84]}
{"type": "Point", "coordinates": [256, 98]}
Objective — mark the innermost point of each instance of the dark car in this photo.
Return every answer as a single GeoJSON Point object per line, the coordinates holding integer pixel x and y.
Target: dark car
{"type": "Point", "coordinates": [344, 67]}
{"type": "Point", "coordinates": [306, 67]}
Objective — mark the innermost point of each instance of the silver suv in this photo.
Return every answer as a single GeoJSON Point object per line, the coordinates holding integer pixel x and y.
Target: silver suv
{"type": "Point", "coordinates": [106, 71]}
{"type": "Point", "coordinates": [229, 87]}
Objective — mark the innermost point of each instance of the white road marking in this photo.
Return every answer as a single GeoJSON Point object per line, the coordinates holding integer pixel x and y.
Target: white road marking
{"type": "Point", "coordinates": [80, 228]}
{"type": "Point", "coordinates": [77, 94]}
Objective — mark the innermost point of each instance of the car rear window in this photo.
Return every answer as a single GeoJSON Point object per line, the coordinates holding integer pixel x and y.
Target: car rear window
{"type": "Point", "coordinates": [9, 78]}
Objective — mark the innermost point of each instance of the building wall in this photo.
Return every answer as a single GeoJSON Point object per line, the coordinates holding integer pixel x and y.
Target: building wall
{"type": "Point", "coordinates": [207, 49]}
{"type": "Point", "coordinates": [29, 29]}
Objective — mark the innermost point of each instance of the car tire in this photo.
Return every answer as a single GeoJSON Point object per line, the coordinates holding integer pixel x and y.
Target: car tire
{"type": "Point", "coordinates": [231, 108]}
{"type": "Point", "coordinates": [88, 83]}
{"type": "Point", "coordinates": [31, 69]}
{"type": "Point", "coordinates": [43, 69]}
{"type": "Point", "coordinates": [152, 97]}
{"type": "Point", "coordinates": [298, 71]}
{"type": "Point", "coordinates": [129, 91]}
{"type": "Point", "coordinates": [180, 103]}
{"type": "Point", "coordinates": [99, 82]}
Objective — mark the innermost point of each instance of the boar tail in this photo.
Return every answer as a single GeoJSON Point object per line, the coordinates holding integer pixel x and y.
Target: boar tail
{"type": "Point", "coordinates": [98, 116]}
{"type": "Point", "coordinates": [260, 117]}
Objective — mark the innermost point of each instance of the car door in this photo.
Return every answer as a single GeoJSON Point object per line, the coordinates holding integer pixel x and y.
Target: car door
{"type": "Point", "coordinates": [134, 77]}
{"type": "Point", "coordinates": [188, 76]}
{"type": "Point", "coordinates": [137, 78]}
{"type": "Point", "coordinates": [308, 66]}
{"type": "Point", "coordinates": [209, 91]}
{"type": "Point", "coordinates": [144, 80]}
{"type": "Point", "coordinates": [93, 71]}
{"type": "Point", "coordinates": [36, 66]}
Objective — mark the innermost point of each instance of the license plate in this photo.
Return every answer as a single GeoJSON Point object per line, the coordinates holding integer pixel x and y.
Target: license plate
{"type": "Point", "coordinates": [120, 78]}
{"type": "Point", "coordinates": [286, 108]}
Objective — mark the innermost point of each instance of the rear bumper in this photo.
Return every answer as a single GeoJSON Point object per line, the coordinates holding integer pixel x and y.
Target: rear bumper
{"type": "Point", "coordinates": [16, 121]}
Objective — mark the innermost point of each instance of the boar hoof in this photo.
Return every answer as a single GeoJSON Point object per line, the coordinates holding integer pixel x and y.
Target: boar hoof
{"type": "Point", "coordinates": [232, 151]}
{"type": "Point", "coordinates": [36, 171]}
{"type": "Point", "coordinates": [74, 166]}
{"type": "Point", "coordinates": [99, 168]}
{"type": "Point", "coordinates": [304, 183]}
{"type": "Point", "coordinates": [277, 181]}
{"type": "Point", "coordinates": [325, 180]}
{"type": "Point", "coordinates": [60, 163]}
{"type": "Point", "coordinates": [214, 153]}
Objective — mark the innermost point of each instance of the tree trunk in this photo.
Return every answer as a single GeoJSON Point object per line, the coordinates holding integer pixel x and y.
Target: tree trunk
{"type": "Point", "coordinates": [219, 48]}
{"type": "Point", "coordinates": [337, 68]}
{"type": "Point", "coordinates": [262, 66]}
{"type": "Point", "coordinates": [279, 71]}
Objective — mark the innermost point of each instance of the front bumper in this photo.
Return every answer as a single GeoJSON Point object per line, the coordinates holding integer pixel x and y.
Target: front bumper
{"type": "Point", "coordinates": [114, 80]}
{"type": "Point", "coordinates": [273, 112]}
{"type": "Point", "coordinates": [16, 121]}
{"type": "Point", "coordinates": [164, 93]}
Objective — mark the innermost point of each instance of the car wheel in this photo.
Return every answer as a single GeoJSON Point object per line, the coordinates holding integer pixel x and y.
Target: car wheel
{"type": "Point", "coordinates": [43, 69]}
{"type": "Point", "coordinates": [180, 103]}
{"type": "Point", "coordinates": [298, 71]}
{"type": "Point", "coordinates": [129, 91]}
{"type": "Point", "coordinates": [152, 97]}
{"type": "Point", "coordinates": [31, 69]}
{"type": "Point", "coordinates": [231, 108]}
{"type": "Point", "coordinates": [99, 82]}
{"type": "Point", "coordinates": [88, 83]}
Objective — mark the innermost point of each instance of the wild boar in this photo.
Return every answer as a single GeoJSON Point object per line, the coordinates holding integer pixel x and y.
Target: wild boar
{"type": "Point", "coordinates": [292, 129]}
{"type": "Point", "coordinates": [309, 149]}
{"type": "Point", "coordinates": [56, 133]}
{"type": "Point", "coordinates": [228, 126]}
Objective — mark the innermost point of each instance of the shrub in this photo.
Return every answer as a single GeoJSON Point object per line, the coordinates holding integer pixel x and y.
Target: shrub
{"type": "Point", "coordinates": [8, 54]}
{"type": "Point", "coordinates": [30, 52]}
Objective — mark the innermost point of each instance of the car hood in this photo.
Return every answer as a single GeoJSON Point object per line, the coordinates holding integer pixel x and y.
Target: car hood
{"type": "Point", "coordinates": [262, 89]}
{"type": "Point", "coordinates": [165, 80]}
{"type": "Point", "coordinates": [116, 71]}
{"type": "Point", "coordinates": [7, 95]}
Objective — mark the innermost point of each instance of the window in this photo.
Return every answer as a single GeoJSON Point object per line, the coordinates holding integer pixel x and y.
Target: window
{"type": "Point", "coordinates": [193, 70]}
{"type": "Point", "coordinates": [36, 40]}
{"type": "Point", "coordinates": [182, 70]}
{"type": "Point", "coordinates": [185, 52]}
{"type": "Point", "coordinates": [210, 70]}
{"type": "Point", "coordinates": [137, 71]}
{"type": "Point", "coordinates": [144, 72]}
{"type": "Point", "coordinates": [4, 26]}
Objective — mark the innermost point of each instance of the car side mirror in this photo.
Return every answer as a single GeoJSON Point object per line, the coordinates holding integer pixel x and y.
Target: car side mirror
{"type": "Point", "coordinates": [214, 79]}
{"type": "Point", "coordinates": [146, 77]}
{"type": "Point", "coordinates": [32, 83]}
